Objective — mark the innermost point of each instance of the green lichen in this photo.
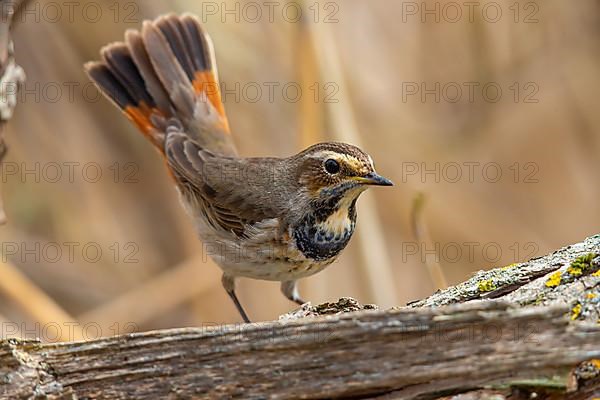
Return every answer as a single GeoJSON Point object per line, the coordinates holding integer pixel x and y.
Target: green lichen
{"type": "Point", "coordinates": [539, 299]}
{"type": "Point", "coordinates": [581, 264]}
{"type": "Point", "coordinates": [554, 279]}
{"type": "Point", "coordinates": [486, 285]}
{"type": "Point", "coordinates": [577, 268]}
{"type": "Point", "coordinates": [559, 381]}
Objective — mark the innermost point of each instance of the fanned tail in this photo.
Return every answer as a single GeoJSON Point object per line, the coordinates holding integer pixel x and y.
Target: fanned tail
{"type": "Point", "coordinates": [166, 75]}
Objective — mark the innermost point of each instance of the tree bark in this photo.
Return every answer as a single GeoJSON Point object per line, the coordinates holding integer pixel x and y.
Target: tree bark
{"type": "Point", "coordinates": [513, 331]}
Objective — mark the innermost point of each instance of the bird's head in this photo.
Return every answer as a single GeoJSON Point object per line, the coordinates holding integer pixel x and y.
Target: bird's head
{"type": "Point", "coordinates": [337, 171]}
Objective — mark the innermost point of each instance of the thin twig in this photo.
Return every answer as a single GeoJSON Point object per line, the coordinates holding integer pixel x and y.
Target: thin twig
{"type": "Point", "coordinates": [421, 233]}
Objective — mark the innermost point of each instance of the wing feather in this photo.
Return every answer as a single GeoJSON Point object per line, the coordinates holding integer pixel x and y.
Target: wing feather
{"type": "Point", "coordinates": [214, 183]}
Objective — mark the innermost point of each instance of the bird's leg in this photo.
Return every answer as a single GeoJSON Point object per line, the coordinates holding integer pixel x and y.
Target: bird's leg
{"type": "Point", "coordinates": [290, 290]}
{"type": "Point", "coordinates": [229, 285]}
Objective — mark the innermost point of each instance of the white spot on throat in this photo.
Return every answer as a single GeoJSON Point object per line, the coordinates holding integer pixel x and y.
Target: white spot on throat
{"type": "Point", "coordinates": [339, 221]}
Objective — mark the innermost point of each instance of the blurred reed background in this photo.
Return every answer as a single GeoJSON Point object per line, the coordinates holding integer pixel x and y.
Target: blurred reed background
{"type": "Point", "coordinates": [368, 59]}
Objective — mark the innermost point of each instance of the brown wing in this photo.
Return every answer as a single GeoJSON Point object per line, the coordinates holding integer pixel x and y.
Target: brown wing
{"type": "Point", "coordinates": [229, 191]}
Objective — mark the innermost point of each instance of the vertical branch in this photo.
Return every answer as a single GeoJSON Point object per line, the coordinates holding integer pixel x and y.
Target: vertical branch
{"type": "Point", "coordinates": [12, 76]}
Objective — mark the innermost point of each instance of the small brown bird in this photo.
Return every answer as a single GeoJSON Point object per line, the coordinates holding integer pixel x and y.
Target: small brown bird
{"type": "Point", "coordinates": [278, 219]}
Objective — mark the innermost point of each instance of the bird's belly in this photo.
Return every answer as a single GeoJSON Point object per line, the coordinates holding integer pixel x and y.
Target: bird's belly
{"type": "Point", "coordinates": [265, 255]}
{"type": "Point", "coordinates": [273, 262]}
{"type": "Point", "coordinates": [275, 271]}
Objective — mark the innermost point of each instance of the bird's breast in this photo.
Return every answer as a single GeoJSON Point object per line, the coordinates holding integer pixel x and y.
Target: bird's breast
{"type": "Point", "coordinates": [322, 234]}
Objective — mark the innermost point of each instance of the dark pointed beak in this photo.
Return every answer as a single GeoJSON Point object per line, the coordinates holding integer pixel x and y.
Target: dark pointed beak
{"type": "Point", "coordinates": [375, 180]}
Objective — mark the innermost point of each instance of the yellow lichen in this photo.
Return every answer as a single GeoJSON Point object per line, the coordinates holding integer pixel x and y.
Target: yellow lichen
{"type": "Point", "coordinates": [554, 279]}
{"type": "Point", "coordinates": [595, 363]}
{"type": "Point", "coordinates": [486, 286]}
{"type": "Point", "coordinates": [575, 312]}
{"type": "Point", "coordinates": [509, 266]}
{"type": "Point", "coordinates": [574, 271]}
{"type": "Point", "coordinates": [596, 274]}
{"type": "Point", "coordinates": [591, 296]}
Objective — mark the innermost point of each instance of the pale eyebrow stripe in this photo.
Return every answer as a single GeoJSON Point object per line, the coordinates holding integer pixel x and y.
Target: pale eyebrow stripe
{"type": "Point", "coordinates": [345, 158]}
{"type": "Point", "coordinates": [326, 153]}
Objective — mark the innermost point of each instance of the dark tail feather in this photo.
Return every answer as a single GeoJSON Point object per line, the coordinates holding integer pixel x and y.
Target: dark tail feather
{"type": "Point", "coordinates": [118, 59]}
{"type": "Point", "coordinates": [170, 28]}
{"type": "Point", "coordinates": [133, 104]}
{"type": "Point", "coordinates": [159, 73]}
{"type": "Point", "coordinates": [168, 69]}
{"type": "Point", "coordinates": [109, 84]}
{"type": "Point", "coordinates": [197, 41]}
{"type": "Point", "coordinates": [142, 61]}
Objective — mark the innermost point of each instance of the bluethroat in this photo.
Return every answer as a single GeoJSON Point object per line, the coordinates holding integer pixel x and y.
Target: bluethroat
{"type": "Point", "coordinates": [277, 219]}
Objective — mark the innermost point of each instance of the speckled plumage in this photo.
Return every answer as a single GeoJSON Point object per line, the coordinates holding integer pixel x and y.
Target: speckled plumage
{"type": "Point", "coordinates": [277, 219]}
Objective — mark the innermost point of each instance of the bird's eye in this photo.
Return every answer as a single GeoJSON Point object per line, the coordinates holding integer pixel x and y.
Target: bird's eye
{"type": "Point", "coordinates": [332, 166]}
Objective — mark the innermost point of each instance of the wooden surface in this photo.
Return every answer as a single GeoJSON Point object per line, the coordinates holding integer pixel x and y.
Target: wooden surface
{"type": "Point", "coordinates": [473, 349]}
{"type": "Point", "coordinates": [526, 284]}
{"type": "Point", "coordinates": [412, 353]}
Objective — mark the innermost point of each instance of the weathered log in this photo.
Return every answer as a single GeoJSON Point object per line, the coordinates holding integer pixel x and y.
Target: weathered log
{"type": "Point", "coordinates": [518, 330]}
{"type": "Point", "coordinates": [567, 277]}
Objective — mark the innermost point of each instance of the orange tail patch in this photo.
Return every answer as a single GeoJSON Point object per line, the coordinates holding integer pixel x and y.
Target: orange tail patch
{"type": "Point", "coordinates": [204, 81]}
{"type": "Point", "coordinates": [140, 116]}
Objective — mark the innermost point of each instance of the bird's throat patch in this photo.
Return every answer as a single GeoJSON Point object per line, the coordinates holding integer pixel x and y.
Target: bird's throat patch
{"type": "Point", "coordinates": [325, 231]}
{"type": "Point", "coordinates": [340, 220]}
